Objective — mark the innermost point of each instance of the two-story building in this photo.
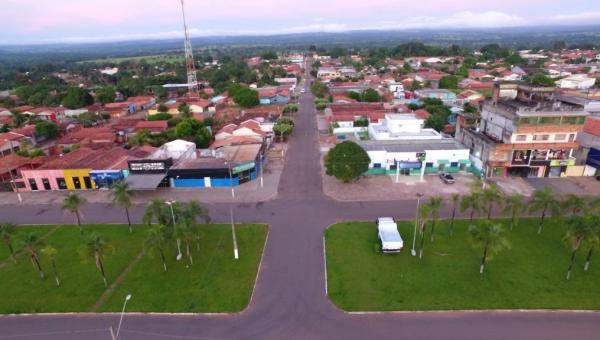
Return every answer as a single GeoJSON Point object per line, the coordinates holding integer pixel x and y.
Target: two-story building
{"type": "Point", "coordinates": [525, 131]}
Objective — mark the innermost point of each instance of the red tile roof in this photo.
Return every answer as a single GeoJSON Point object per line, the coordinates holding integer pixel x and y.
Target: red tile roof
{"type": "Point", "coordinates": [592, 126]}
{"type": "Point", "coordinates": [154, 126]}
{"type": "Point", "coordinates": [422, 114]}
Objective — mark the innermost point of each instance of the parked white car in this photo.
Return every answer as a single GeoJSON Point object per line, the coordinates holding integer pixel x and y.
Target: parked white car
{"type": "Point", "coordinates": [387, 229]}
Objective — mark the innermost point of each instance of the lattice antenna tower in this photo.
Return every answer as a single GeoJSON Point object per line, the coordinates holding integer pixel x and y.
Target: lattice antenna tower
{"type": "Point", "coordinates": [192, 81]}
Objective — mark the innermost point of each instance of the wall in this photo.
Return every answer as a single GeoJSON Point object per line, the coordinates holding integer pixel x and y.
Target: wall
{"type": "Point", "coordinates": [77, 173]}
{"type": "Point", "coordinates": [38, 175]}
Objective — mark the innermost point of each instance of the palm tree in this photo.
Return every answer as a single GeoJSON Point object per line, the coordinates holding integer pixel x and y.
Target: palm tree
{"type": "Point", "coordinates": [30, 243]}
{"type": "Point", "coordinates": [490, 196]}
{"type": "Point", "coordinates": [544, 201]}
{"type": "Point", "coordinates": [179, 233]}
{"type": "Point", "coordinates": [435, 204]}
{"type": "Point", "coordinates": [593, 240]}
{"type": "Point", "coordinates": [471, 202]}
{"type": "Point", "coordinates": [490, 236]}
{"type": "Point", "coordinates": [423, 214]}
{"type": "Point", "coordinates": [188, 236]}
{"type": "Point", "coordinates": [194, 210]}
{"type": "Point", "coordinates": [156, 210]}
{"type": "Point", "coordinates": [51, 252]}
{"type": "Point", "coordinates": [455, 198]}
{"type": "Point", "coordinates": [155, 241]}
{"type": "Point", "coordinates": [95, 248]}
{"type": "Point", "coordinates": [513, 206]}
{"type": "Point", "coordinates": [121, 195]}
{"type": "Point", "coordinates": [73, 203]}
{"type": "Point", "coordinates": [578, 231]}
{"type": "Point", "coordinates": [574, 203]}
{"type": "Point", "coordinates": [7, 233]}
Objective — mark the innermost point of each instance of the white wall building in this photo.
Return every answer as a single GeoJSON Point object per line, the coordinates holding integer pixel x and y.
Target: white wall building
{"type": "Point", "coordinates": [398, 126]}
{"type": "Point", "coordinates": [576, 82]}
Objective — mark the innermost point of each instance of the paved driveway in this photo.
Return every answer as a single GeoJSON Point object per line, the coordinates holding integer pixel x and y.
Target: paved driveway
{"type": "Point", "coordinates": [289, 301]}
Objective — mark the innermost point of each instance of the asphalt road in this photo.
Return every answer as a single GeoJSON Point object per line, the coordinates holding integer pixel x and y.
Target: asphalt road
{"type": "Point", "coordinates": [290, 300]}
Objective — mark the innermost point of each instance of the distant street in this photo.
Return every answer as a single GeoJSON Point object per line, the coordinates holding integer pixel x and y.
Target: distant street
{"type": "Point", "coordinates": [290, 301]}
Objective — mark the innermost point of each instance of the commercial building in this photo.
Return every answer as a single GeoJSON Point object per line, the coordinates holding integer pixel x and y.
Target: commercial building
{"type": "Point", "coordinates": [525, 131]}
{"type": "Point", "coordinates": [401, 126]}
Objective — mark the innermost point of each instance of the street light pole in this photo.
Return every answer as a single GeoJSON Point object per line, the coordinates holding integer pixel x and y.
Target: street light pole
{"type": "Point", "coordinates": [231, 180]}
{"type": "Point", "coordinates": [413, 252]}
{"type": "Point", "coordinates": [127, 298]}
{"type": "Point", "coordinates": [170, 204]}
{"type": "Point", "coordinates": [235, 247]}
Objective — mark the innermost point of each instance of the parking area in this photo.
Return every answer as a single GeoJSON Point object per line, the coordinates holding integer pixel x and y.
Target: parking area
{"type": "Point", "coordinates": [385, 187]}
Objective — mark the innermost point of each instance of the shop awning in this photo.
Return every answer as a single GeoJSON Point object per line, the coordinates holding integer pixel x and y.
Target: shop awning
{"type": "Point", "coordinates": [464, 161]}
{"type": "Point", "coordinates": [443, 161]}
{"type": "Point", "coordinates": [145, 182]}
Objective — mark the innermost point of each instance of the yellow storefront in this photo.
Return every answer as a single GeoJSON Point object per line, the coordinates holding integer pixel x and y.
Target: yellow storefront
{"type": "Point", "coordinates": [78, 179]}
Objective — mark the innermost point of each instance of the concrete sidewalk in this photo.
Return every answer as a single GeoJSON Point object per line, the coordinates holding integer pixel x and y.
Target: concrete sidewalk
{"type": "Point", "coordinates": [250, 192]}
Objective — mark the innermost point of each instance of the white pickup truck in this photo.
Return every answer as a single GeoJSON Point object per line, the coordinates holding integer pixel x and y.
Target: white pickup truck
{"type": "Point", "coordinates": [387, 229]}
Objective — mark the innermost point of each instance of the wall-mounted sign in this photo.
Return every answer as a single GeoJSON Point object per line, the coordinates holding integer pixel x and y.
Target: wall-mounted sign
{"type": "Point", "coordinates": [149, 166]}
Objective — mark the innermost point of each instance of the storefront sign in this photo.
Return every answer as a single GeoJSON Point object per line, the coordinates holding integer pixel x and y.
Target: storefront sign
{"type": "Point", "coordinates": [243, 167]}
{"type": "Point", "coordinates": [149, 166]}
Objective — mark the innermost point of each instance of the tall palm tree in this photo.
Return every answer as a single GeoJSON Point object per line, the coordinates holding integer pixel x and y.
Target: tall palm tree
{"type": "Point", "coordinates": [188, 236]}
{"type": "Point", "coordinates": [193, 210]}
{"type": "Point", "coordinates": [31, 242]}
{"type": "Point", "coordinates": [514, 206]}
{"type": "Point", "coordinates": [73, 203]}
{"type": "Point", "coordinates": [435, 204]}
{"type": "Point", "coordinates": [490, 236]}
{"type": "Point", "coordinates": [574, 204]}
{"type": "Point", "coordinates": [471, 202]}
{"type": "Point", "coordinates": [423, 215]}
{"type": "Point", "coordinates": [95, 248]}
{"type": "Point", "coordinates": [490, 196]}
{"type": "Point", "coordinates": [455, 198]}
{"type": "Point", "coordinates": [155, 242]}
{"type": "Point", "coordinates": [593, 241]}
{"type": "Point", "coordinates": [182, 228]}
{"type": "Point", "coordinates": [7, 233]}
{"type": "Point", "coordinates": [578, 232]}
{"type": "Point", "coordinates": [544, 201]}
{"type": "Point", "coordinates": [51, 252]}
{"type": "Point", "coordinates": [157, 210]}
{"type": "Point", "coordinates": [121, 195]}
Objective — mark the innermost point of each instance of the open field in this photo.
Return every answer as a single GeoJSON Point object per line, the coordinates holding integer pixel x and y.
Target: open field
{"type": "Point", "coordinates": [529, 275]}
{"type": "Point", "coordinates": [214, 283]}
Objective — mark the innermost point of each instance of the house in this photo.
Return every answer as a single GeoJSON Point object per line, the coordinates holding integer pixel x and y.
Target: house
{"type": "Point", "coordinates": [446, 96]}
{"type": "Point", "coordinates": [273, 95]}
{"type": "Point", "coordinates": [118, 110]}
{"type": "Point", "coordinates": [47, 114]}
{"type": "Point", "coordinates": [152, 126]}
{"type": "Point", "coordinates": [470, 96]}
{"type": "Point", "coordinates": [5, 112]}
{"type": "Point", "coordinates": [576, 82]}
{"type": "Point", "coordinates": [475, 84]}
{"type": "Point", "coordinates": [401, 126]}
{"type": "Point", "coordinates": [10, 142]}
{"type": "Point", "coordinates": [525, 131]}
{"type": "Point", "coordinates": [429, 76]}
{"type": "Point", "coordinates": [142, 103]}
{"type": "Point", "coordinates": [249, 128]}
{"type": "Point", "coordinates": [13, 164]}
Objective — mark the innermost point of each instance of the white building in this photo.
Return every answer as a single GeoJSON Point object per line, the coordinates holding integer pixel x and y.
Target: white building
{"type": "Point", "coordinates": [398, 126]}
{"type": "Point", "coordinates": [416, 157]}
{"type": "Point", "coordinates": [576, 82]}
{"type": "Point", "coordinates": [178, 150]}
{"type": "Point", "coordinates": [110, 71]}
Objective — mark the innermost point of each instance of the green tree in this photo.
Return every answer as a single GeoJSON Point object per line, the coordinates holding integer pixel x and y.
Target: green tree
{"type": "Point", "coordinates": [121, 195]}
{"type": "Point", "coordinates": [96, 248]}
{"type": "Point", "coordinates": [347, 161]}
{"type": "Point", "coordinates": [578, 231]}
{"type": "Point", "coordinates": [471, 202]}
{"type": "Point", "coordinates": [73, 203]}
{"type": "Point", "coordinates": [184, 110]}
{"type": "Point", "coordinates": [46, 130]}
{"type": "Point", "coordinates": [573, 204]}
{"type": "Point", "coordinates": [157, 211]}
{"type": "Point", "coordinates": [423, 213]}
{"type": "Point", "coordinates": [7, 234]}
{"type": "Point", "coordinates": [594, 239]}
{"type": "Point", "coordinates": [319, 89]}
{"type": "Point", "coordinates": [435, 122]}
{"type": "Point", "coordinates": [31, 242]}
{"type": "Point", "coordinates": [448, 82]}
{"type": "Point", "coordinates": [455, 198]}
{"type": "Point", "coordinates": [371, 96]}
{"type": "Point", "coordinates": [514, 206]}
{"type": "Point", "coordinates": [462, 71]}
{"type": "Point", "coordinates": [243, 96]}
{"type": "Point", "coordinates": [203, 138]}
{"type": "Point", "coordinates": [542, 80]}
{"type": "Point", "coordinates": [162, 108]}
{"type": "Point", "coordinates": [155, 242]}
{"type": "Point", "coordinates": [544, 201]}
{"type": "Point", "coordinates": [435, 204]}
{"type": "Point", "coordinates": [490, 196]}
{"type": "Point", "coordinates": [51, 252]}
{"type": "Point", "coordinates": [490, 236]}
{"type": "Point", "coordinates": [106, 95]}
{"type": "Point", "coordinates": [160, 116]}
{"type": "Point", "coordinates": [76, 98]}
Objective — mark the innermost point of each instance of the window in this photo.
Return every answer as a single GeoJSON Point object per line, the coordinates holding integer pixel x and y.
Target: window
{"type": "Point", "coordinates": [46, 184]}
{"type": "Point", "coordinates": [76, 182]}
{"type": "Point", "coordinates": [521, 138]}
{"type": "Point", "coordinates": [454, 164]}
{"type": "Point", "coordinates": [61, 183]}
{"type": "Point", "coordinates": [538, 138]}
{"type": "Point", "coordinates": [429, 165]}
{"type": "Point", "coordinates": [572, 137]}
{"type": "Point", "coordinates": [88, 182]}
{"type": "Point", "coordinates": [33, 184]}
{"type": "Point", "coordinates": [560, 136]}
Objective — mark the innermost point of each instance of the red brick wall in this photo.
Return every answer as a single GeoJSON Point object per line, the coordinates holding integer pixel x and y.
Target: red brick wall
{"type": "Point", "coordinates": [592, 126]}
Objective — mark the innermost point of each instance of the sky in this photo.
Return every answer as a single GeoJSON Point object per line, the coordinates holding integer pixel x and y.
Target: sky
{"type": "Point", "coordinates": [76, 21]}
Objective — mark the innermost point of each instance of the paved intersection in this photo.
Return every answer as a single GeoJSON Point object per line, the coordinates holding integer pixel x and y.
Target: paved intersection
{"type": "Point", "coordinates": [290, 300]}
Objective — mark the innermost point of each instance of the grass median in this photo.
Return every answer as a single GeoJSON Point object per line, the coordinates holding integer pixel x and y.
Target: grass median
{"type": "Point", "coordinates": [529, 275]}
{"type": "Point", "coordinates": [214, 283]}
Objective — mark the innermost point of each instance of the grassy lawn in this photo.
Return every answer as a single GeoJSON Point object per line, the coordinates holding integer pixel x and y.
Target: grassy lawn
{"type": "Point", "coordinates": [529, 275]}
{"type": "Point", "coordinates": [207, 286]}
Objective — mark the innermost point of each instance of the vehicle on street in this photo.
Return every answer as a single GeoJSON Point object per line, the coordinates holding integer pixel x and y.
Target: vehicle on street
{"type": "Point", "coordinates": [447, 178]}
{"type": "Point", "coordinates": [387, 229]}
{"type": "Point", "coordinates": [303, 91]}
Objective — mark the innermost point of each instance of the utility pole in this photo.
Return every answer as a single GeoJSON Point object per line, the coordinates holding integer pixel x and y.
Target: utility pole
{"type": "Point", "coordinates": [236, 254]}
{"type": "Point", "coordinates": [12, 178]}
